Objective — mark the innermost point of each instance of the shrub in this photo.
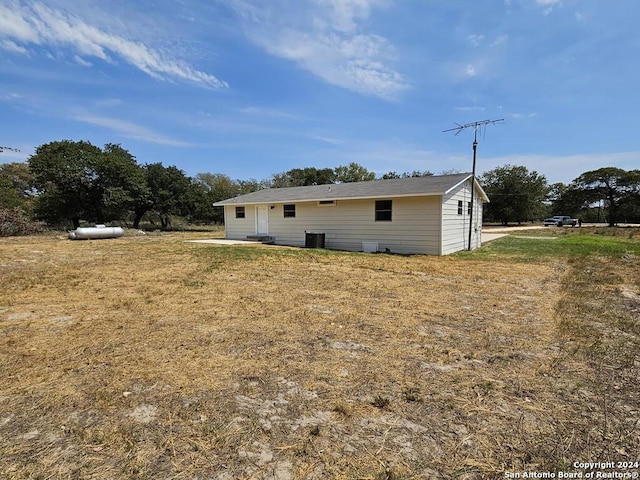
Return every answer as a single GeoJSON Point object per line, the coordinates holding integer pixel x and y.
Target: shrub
{"type": "Point", "coordinates": [14, 222]}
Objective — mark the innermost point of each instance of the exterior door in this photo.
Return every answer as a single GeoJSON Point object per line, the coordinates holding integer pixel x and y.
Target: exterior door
{"type": "Point", "coordinates": [262, 220]}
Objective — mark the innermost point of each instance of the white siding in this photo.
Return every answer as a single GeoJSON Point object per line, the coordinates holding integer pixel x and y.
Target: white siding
{"type": "Point", "coordinates": [239, 228]}
{"type": "Point", "coordinates": [455, 227]}
{"type": "Point", "coordinates": [414, 228]}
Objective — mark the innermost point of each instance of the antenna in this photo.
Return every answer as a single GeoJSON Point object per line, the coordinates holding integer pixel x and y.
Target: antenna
{"type": "Point", "coordinates": [476, 125]}
{"type": "Point", "coordinates": [2, 149]}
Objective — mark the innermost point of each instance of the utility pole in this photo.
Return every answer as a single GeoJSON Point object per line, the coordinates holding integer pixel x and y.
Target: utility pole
{"type": "Point", "coordinates": [476, 126]}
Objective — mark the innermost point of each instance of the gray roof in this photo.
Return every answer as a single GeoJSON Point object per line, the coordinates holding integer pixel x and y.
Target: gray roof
{"type": "Point", "coordinates": [397, 187]}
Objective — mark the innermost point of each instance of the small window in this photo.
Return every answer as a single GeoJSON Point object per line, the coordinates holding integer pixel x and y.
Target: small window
{"type": "Point", "coordinates": [290, 211]}
{"type": "Point", "coordinates": [239, 212]}
{"type": "Point", "coordinates": [468, 208]}
{"type": "Point", "coordinates": [327, 203]}
{"type": "Point", "coordinates": [459, 207]}
{"type": "Point", "coordinates": [383, 210]}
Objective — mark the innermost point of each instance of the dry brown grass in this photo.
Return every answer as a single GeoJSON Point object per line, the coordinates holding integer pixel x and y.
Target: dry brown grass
{"type": "Point", "coordinates": [150, 357]}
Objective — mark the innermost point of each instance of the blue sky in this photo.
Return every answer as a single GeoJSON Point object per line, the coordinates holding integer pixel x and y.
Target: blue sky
{"type": "Point", "coordinates": [249, 88]}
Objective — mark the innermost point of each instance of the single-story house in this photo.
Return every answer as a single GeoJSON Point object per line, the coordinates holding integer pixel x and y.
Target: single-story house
{"type": "Point", "coordinates": [425, 215]}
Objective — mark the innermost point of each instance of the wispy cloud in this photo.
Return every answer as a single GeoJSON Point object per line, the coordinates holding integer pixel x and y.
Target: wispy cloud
{"type": "Point", "coordinates": [268, 113]}
{"type": "Point", "coordinates": [81, 61]}
{"type": "Point", "coordinates": [129, 130]}
{"type": "Point", "coordinates": [475, 40]}
{"type": "Point", "coordinates": [326, 38]}
{"type": "Point", "coordinates": [13, 47]}
{"type": "Point", "coordinates": [548, 5]}
{"type": "Point", "coordinates": [23, 26]}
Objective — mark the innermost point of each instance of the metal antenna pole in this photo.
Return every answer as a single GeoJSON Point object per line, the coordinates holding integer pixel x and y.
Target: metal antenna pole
{"type": "Point", "coordinates": [476, 126]}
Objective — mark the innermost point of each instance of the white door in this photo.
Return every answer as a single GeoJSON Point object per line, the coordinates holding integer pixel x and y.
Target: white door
{"type": "Point", "coordinates": [262, 220]}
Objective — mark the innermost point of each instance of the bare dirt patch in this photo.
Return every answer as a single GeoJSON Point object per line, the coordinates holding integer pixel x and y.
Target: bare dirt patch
{"type": "Point", "coordinates": [150, 357]}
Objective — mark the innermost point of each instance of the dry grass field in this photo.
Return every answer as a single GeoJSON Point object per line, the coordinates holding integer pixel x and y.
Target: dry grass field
{"type": "Point", "coordinates": [148, 357]}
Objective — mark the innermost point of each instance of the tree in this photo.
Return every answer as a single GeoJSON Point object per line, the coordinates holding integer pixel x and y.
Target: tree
{"type": "Point", "coordinates": [17, 186]}
{"type": "Point", "coordinates": [121, 181]}
{"type": "Point", "coordinates": [515, 194]}
{"type": "Point", "coordinates": [168, 194]}
{"type": "Point", "coordinates": [77, 181]}
{"type": "Point", "coordinates": [567, 200]}
{"type": "Point", "coordinates": [415, 173]}
{"type": "Point", "coordinates": [16, 200]}
{"type": "Point", "coordinates": [252, 185]}
{"type": "Point", "coordinates": [299, 177]}
{"type": "Point", "coordinates": [64, 173]}
{"type": "Point", "coordinates": [353, 173]}
{"type": "Point", "coordinates": [619, 190]}
{"type": "Point", "coordinates": [214, 187]}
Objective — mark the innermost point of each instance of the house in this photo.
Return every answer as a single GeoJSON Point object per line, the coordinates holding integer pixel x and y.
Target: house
{"type": "Point", "coordinates": [426, 215]}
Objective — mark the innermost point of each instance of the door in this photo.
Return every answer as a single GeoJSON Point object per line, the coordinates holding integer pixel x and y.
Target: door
{"type": "Point", "coordinates": [262, 220]}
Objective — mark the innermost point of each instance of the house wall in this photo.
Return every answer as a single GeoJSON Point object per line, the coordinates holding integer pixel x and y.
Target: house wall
{"type": "Point", "coordinates": [455, 227]}
{"type": "Point", "coordinates": [239, 228]}
{"type": "Point", "coordinates": [414, 228]}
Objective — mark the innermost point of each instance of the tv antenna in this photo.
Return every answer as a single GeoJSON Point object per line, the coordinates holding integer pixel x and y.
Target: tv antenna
{"type": "Point", "coordinates": [476, 126]}
{"type": "Point", "coordinates": [10, 149]}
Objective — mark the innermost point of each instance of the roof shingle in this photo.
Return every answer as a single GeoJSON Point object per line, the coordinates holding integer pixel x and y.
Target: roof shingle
{"type": "Point", "coordinates": [397, 187]}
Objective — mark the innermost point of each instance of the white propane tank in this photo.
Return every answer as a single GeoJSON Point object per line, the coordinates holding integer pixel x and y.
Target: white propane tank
{"type": "Point", "coordinates": [99, 231]}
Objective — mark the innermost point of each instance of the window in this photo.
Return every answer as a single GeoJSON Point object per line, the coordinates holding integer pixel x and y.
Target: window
{"type": "Point", "coordinates": [383, 210]}
{"type": "Point", "coordinates": [326, 203]}
{"type": "Point", "coordinates": [459, 207]}
{"type": "Point", "coordinates": [468, 208]}
{"type": "Point", "coordinates": [290, 211]}
{"type": "Point", "coordinates": [239, 212]}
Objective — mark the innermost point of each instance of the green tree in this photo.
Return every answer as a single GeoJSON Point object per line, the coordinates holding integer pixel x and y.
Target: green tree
{"type": "Point", "coordinates": [619, 189]}
{"type": "Point", "coordinates": [17, 186]}
{"type": "Point", "coordinates": [299, 177]}
{"type": "Point", "coordinates": [252, 185]}
{"type": "Point", "coordinates": [219, 185]}
{"type": "Point", "coordinates": [353, 172]}
{"type": "Point", "coordinates": [415, 173]}
{"type": "Point", "coordinates": [121, 182]}
{"type": "Point", "coordinates": [17, 193]}
{"type": "Point", "coordinates": [515, 194]}
{"type": "Point", "coordinates": [77, 181]}
{"type": "Point", "coordinates": [168, 194]}
{"type": "Point", "coordinates": [215, 187]}
{"type": "Point", "coordinates": [65, 174]}
{"type": "Point", "coordinates": [567, 200]}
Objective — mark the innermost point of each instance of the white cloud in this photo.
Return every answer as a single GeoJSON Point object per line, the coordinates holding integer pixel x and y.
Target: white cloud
{"type": "Point", "coordinates": [519, 116]}
{"type": "Point", "coordinates": [471, 109]}
{"type": "Point", "coordinates": [325, 37]}
{"type": "Point", "coordinates": [13, 47]}
{"type": "Point", "coordinates": [548, 5]}
{"type": "Point", "coordinates": [475, 40]}
{"type": "Point", "coordinates": [128, 129]}
{"type": "Point", "coordinates": [342, 15]}
{"type": "Point", "coordinates": [81, 61]}
{"type": "Point", "coordinates": [500, 40]}
{"type": "Point", "coordinates": [39, 25]}
{"type": "Point", "coordinates": [471, 71]}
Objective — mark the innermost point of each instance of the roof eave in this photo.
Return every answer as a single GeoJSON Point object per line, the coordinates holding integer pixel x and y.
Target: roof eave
{"type": "Point", "coordinates": [320, 199]}
{"type": "Point", "coordinates": [483, 194]}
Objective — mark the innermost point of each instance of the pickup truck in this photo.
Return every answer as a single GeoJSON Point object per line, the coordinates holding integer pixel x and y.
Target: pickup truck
{"type": "Point", "coordinates": [560, 221]}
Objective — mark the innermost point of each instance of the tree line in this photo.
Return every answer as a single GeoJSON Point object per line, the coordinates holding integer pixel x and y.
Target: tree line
{"type": "Point", "coordinates": [607, 194]}
{"type": "Point", "coordinates": [65, 183]}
